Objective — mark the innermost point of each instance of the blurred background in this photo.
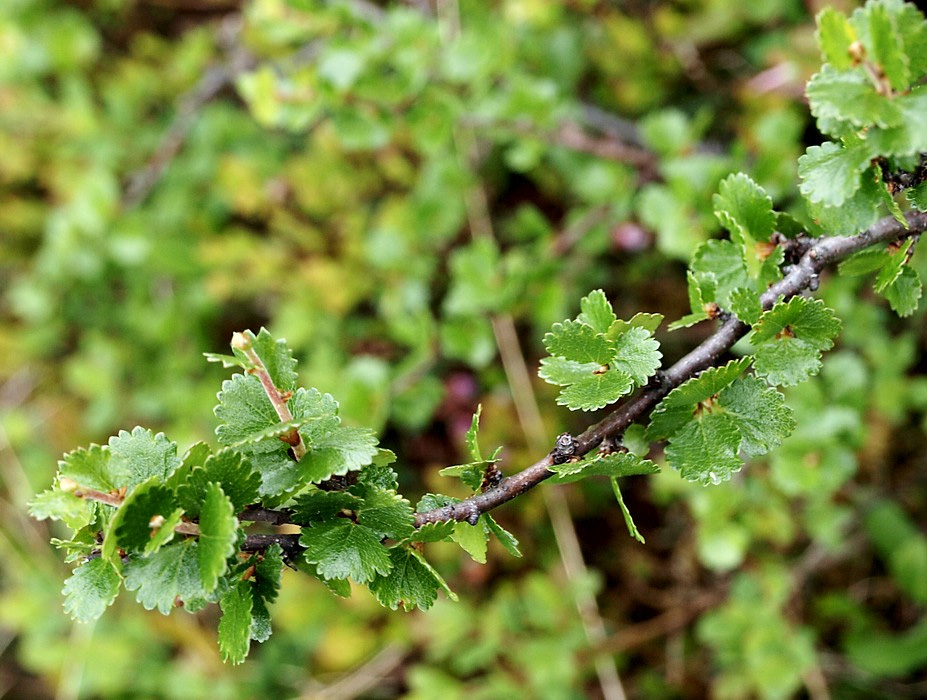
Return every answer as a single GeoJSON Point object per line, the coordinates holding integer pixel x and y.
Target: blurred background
{"type": "Point", "coordinates": [410, 194]}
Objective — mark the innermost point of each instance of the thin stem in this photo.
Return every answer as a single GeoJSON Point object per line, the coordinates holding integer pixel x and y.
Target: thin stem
{"type": "Point", "coordinates": [825, 251]}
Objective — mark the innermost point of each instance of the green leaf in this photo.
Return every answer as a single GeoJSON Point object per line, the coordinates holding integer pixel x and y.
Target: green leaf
{"type": "Point", "coordinates": [473, 539]}
{"type": "Point", "coordinates": [830, 173]}
{"type": "Point", "coordinates": [110, 548]}
{"type": "Point", "coordinates": [91, 588]}
{"type": "Point", "coordinates": [597, 311]}
{"type": "Point", "coordinates": [235, 623]}
{"type": "Point", "coordinates": [858, 212]}
{"type": "Point", "coordinates": [139, 516]}
{"type": "Point", "coordinates": [267, 572]}
{"type": "Point", "coordinates": [410, 582]}
{"type": "Point", "coordinates": [578, 342]}
{"type": "Point", "coordinates": [471, 438]}
{"type": "Point", "coordinates": [649, 322]}
{"type": "Point", "coordinates": [721, 265]}
{"type": "Point", "coordinates": [864, 262]}
{"type": "Point", "coordinates": [316, 506]}
{"type": "Point", "coordinates": [628, 520]}
{"type": "Point", "coordinates": [744, 209]}
{"type": "Point", "coordinates": [470, 474]}
{"type": "Point", "coordinates": [760, 414]}
{"type": "Point", "coordinates": [698, 299]}
{"type": "Point", "coordinates": [506, 538]}
{"type": "Point", "coordinates": [614, 464]}
{"type": "Point", "coordinates": [850, 97]}
{"type": "Point", "coordinates": [895, 262]}
{"type": "Point", "coordinates": [905, 292]}
{"type": "Point", "coordinates": [236, 477]}
{"type": "Point", "coordinates": [917, 195]}
{"type": "Point", "coordinates": [243, 410]}
{"type": "Point", "coordinates": [170, 573]}
{"type": "Point", "coordinates": [261, 629]}
{"type": "Point", "coordinates": [789, 340]}
{"type": "Point", "coordinates": [886, 46]}
{"type": "Point", "coordinates": [746, 305]}
{"type": "Point", "coordinates": [637, 355]}
{"type": "Point", "coordinates": [342, 549]}
{"type": "Point", "coordinates": [218, 536]}
{"type": "Point", "coordinates": [563, 372]}
{"type": "Point", "coordinates": [339, 451]}
{"type": "Point", "coordinates": [386, 513]}
{"type": "Point", "coordinates": [140, 455]}
{"type": "Point", "coordinates": [835, 35]}
{"type": "Point", "coordinates": [163, 533]}
{"type": "Point", "coordinates": [90, 468]}
{"type": "Point", "coordinates": [596, 391]}
{"type": "Point", "coordinates": [229, 361]}
{"type": "Point", "coordinates": [277, 358]}
{"type": "Point", "coordinates": [705, 449]}
{"type": "Point", "coordinates": [679, 406]}
{"type": "Point", "coordinates": [62, 505]}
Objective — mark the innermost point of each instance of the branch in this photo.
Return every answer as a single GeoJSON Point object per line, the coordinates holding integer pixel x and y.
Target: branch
{"type": "Point", "coordinates": [801, 276]}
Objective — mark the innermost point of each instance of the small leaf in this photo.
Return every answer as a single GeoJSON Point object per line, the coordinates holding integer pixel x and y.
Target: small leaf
{"type": "Point", "coordinates": [134, 528]}
{"type": "Point", "coordinates": [235, 623]}
{"type": "Point", "coordinates": [678, 407]}
{"type": "Point", "coordinates": [760, 414]}
{"type": "Point", "coordinates": [317, 506]}
{"type": "Point", "coordinates": [236, 477]}
{"type": "Point", "coordinates": [343, 549]}
{"type": "Point", "coordinates": [433, 532]}
{"type": "Point", "coordinates": [277, 358]}
{"type": "Point", "coordinates": [637, 355]}
{"type": "Point", "coordinates": [140, 455]}
{"type": "Point", "coordinates": [720, 264]}
{"type": "Point", "coordinates": [473, 539]}
{"type": "Point", "coordinates": [596, 391]}
{"type": "Point", "coordinates": [628, 520]}
{"type": "Point", "coordinates": [830, 173]}
{"type": "Point", "coordinates": [337, 452]}
{"type": "Point", "coordinates": [168, 574]}
{"type": "Point", "coordinates": [218, 535]}
{"type": "Point", "coordinates": [563, 372]}
{"type": "Point", "coordinates": [578, 342]}
{"type": "Point", "coordinates": [91, 588]}
{"type": "Point", "coordinates": [386, 513]}
{"type": "Point", "coordinates": [506, 538]}
{"type": "Point", "coordinates": [267, 572]}
{"type": "Point", "coordinates": [746, 306]}
{"type": "Point", "coordinates": [612, 465]}
{"type": "Point", "coordinates": [789, 340]}
{"type": "Point", "coordinates": [62, 505]}
{"type": "Point", "coordinates": [886, 46]}
{"type": "Point", "coordinates": [163, 533]}
{"type": "Point", "coordinates": [917, 195]}
{"type": "Point", "coordinates": [597, 311]}
{"type": "Point", "coordinates": [835, 35]}
{"type": "Point", "coordinates": [849, 97]}
{"type": "Point", "coordinates": [705, 449]}
{"type": "Point", "coordinates": [744, 208]}
{"type": "Point", "coordinates": [905, 292]}
{"type": "Point", "coordinates": [91, 469]}
{"type": "Point", "coordinates": [410, 582]}
{"type": "Point", "coordinates": [649, 322]}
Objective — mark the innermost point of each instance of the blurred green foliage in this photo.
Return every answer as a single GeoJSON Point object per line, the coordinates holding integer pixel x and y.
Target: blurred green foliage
{"type": "Point", "coordinates": [328, 189]}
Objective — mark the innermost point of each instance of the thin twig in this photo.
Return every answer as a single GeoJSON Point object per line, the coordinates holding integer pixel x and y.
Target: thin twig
{"type": "Point", "coordinates": [825, 251]}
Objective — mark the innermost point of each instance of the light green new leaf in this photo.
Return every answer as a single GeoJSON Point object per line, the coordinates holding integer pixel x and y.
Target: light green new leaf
{"type": "Point", "coordinates": [91, 588]}
{"type": "Point", "coordinates": [235, 623]}
{"type": "Point", "coordinates": [886, 47]}
{"type": "Point", "coordinates": [277, 358]}
{"type": "Point", "coordinates": [595, 391]}
{"type": "Point", "coordinates": [637, 355]}
{"type": "Point", "coordinates": [649, 322]}
{"type": "Point", "coordinates": [893, 266]}
{"type": "Point", "coordinates": [745, 305]}
{"type": "Point", "coordinates": [170, 573]}
{"type": "Point", "coordinates": [760, 414]}
{"type": "Point", "coordinates": [433, 532]}
{"type": "Point", "coordinates": [835, 35]}
{"type": "Point", "coordinates": [597, 311]}
{"type": "Point", "coordinates": [918, 196]}
{"type": "Point", "coordinates": [614, 464]}
{"type": "Point", "coordinates": [628, 520]}
{"type": "Point", "coordinates": [905, 292]}
{"type": "Point", "coordinates": [720, 264]}
{"type": "Point", "coordinates": [850, 97]}
{"type": "Point", "coordinates": [744, 209]}
{"type": "Point", "coordinates": [472, 436]}
{"type": "Point", "coordinates": [563, 372]}
{"type": "Point", "coordinates": [864, 262]}
{"type": "Point", "coordinates": [343, 549]}
{"type": "Point", "coordinates": [705, 449]}
{"type": "Point", "coordinates": [411, 582]}
{"type": "Point", "coordinates": [386, 513]}
{"type": "Point", "coordinates": [789, 340]}
{"type": "Point", "coordinates": [506, 538]}
{"type": "Point", "coordinates": [140, 455]}
{"type": "Point", "coordinates": [830, 173]}
{"type": "Point", "coordinates": [218, 535]}
{"type": "Point", "coordinates": [679, 406]}
{"type": "Point", "coordinates": [578, 342]}
{"type": "Point", "coordinates": [56, 504]}
{"type": "Point", "coordinates": [473, 539]}
{"type": "Point", "coordinates": [91, 469]}
{"type": "Point", "coordinates": [267, 572]}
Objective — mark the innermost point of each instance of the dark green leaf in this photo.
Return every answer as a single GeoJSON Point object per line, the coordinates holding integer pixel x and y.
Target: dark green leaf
{"type": "Point", "coordinates": [506, 538]}
{"type": "Point", "coordinates": [170, 573]}
{"type": "Point", "coordinates": [411, 582]}
{"type": "Point", "coordinates": [614, 464]}
{"type": "Point", "coordinates": [342, 549]}
{"type": "Point", "coordinates": [596, 391]}
{"type": "Point", "coordinates": [760, 414]}
{"type": "Point", "coordinates": [218, 535]}
{"type": "Point", "coordinates": [905, 292]}
{"type": "Point", "coordinates": [386, 513]}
